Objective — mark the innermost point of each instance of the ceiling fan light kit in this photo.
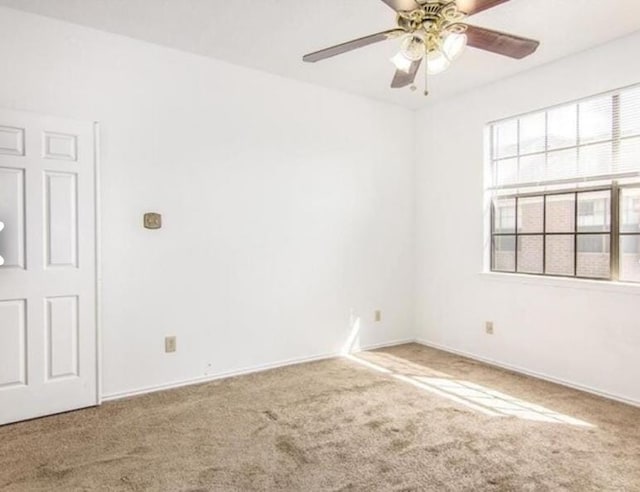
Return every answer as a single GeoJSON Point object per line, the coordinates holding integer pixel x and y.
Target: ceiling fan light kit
{"type": "Point", "coordinates": [434, 31]}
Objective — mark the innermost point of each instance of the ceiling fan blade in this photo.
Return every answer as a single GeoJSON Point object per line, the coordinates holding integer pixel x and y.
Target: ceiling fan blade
{"type": "Point", "coordinates": [351, 45]}
{"type": "Point", "coordinates": [500, 42]}
{"type": "Point", "coordinates": [402, 5]}
{"type": "Point", "coordinates": [471, 7]}
{"type": "Point", "coordinates": [403, 79]}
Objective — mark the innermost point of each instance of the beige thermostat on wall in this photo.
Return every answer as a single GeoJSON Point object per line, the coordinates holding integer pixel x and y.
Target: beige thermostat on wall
{"type": "Point", "coordinates": [152, 220]}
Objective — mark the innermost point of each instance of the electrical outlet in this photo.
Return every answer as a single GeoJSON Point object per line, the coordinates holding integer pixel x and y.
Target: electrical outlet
{"type": "Point", "coordinates": [488, 327]}
{"type": "Point", "coordinates": [378, 315]}
{"type": "Point", "coordinates": [169, 344]}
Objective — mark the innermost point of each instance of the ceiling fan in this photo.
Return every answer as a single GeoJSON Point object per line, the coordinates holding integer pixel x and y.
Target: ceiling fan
{"type": "Point", "coordinates": [434, 31]}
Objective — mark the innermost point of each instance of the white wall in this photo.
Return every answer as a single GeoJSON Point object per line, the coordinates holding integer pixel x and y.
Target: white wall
{"type": "Point", "coordinates": [289, 212]}
{"type": "Point", "coordinates": [579, 332]}
{"type": "Point", "coordinates": [286, 207]}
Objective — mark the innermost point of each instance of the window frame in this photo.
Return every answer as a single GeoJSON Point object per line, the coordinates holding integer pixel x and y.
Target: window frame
{"type": "Point", "coordinates": [544, 234]}
{"type": "Point", "coordinates": [621, 234]}
{"type": "Point", "coordinates": [614, 232]}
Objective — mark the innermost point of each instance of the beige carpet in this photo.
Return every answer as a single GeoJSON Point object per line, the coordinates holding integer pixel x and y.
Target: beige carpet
{"type": "Point", "coordinates": [404, 418]}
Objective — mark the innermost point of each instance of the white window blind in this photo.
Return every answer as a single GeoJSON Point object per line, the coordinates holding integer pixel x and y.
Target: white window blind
{"type": "Point", "coordinates": [596, 139]}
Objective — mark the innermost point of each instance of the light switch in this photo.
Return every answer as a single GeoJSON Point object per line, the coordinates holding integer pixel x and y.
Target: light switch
{"type": "Point", "coordinates": [169, 344]}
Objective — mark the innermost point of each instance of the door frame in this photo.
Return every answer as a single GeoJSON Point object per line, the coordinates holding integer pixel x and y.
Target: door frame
{"type": "Point", "coordinates": [98, 257]}
{"type": "Point", "coordinates": [97, 236]}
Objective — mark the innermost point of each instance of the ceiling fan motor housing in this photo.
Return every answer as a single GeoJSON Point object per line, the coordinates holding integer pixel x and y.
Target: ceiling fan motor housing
{"type": "Point", "coordinates": [433, 20]}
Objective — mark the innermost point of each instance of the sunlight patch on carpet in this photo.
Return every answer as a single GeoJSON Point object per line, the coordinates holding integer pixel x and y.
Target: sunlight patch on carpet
{"type": "Point", "coordinates": [472, 395]}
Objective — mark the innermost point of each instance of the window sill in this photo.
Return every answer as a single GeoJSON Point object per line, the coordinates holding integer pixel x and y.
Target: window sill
{"type": "Point", "coordinates": [565, 283]}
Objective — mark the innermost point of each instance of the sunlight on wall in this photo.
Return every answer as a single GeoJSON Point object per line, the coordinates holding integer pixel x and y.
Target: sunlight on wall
{"type": "Point", "coordinates": [353, 340]}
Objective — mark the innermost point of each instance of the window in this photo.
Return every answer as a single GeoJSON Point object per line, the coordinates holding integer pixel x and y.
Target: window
{"type": "Point", "coordinates": [557, 233]}
{"type": "Point", "coordinates": [565, 188]}
{"type": "Point", "coordinates": [630, 235]}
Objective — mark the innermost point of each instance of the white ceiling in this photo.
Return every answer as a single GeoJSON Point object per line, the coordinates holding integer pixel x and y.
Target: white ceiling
{"type": "Point", "coordinates": [272, 35]}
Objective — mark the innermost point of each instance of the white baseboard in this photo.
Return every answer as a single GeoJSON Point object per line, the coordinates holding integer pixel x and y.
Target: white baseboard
{"type": "Point", "coordinates": [426, 343]}
{"type": "Point", "coordinates": [246, 370]}
{"type": "Point", "coordinates": [213, 377]}
{"type": "Point", "coordinates": [528, 372]}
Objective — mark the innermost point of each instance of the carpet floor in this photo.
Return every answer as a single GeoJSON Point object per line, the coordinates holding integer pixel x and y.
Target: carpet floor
{"type": "Point", "coordinates": [402, 418]}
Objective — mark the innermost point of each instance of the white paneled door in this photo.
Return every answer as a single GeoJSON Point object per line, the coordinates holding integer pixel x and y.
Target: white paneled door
{"type": "Point", "coordinates": [48, 280]}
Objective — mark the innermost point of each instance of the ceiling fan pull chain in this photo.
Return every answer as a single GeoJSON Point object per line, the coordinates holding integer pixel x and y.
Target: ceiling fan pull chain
{"type": "Point", "coordinates": [426, 76]}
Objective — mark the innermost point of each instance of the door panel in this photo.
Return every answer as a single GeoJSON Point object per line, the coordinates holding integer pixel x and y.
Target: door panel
{"type": "Point", "coordinates": [62, 336]}
{"type": "Point", "coordinates": [61, 227]}
{"type": "Point", "coordinates": [12, 213]}
{"type": "Point", "coordinates": [60, 146]}
{"type": "Point", "coordinates": [47, 284]}
{"type": "Point", "coordinates": [13, 364]}
{"type": "Point", "coordinates": [11, 140]}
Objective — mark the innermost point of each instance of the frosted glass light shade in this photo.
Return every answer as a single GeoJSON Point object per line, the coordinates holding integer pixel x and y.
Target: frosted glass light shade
{"type": "Point", "coordinates": [437, 62]}
{"type": "Point", "coordinates": [413, 47]}
{"type": "Point", "coordinates": [453, 45]}
{"type": "Point", "coordinates": [401, 62]}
